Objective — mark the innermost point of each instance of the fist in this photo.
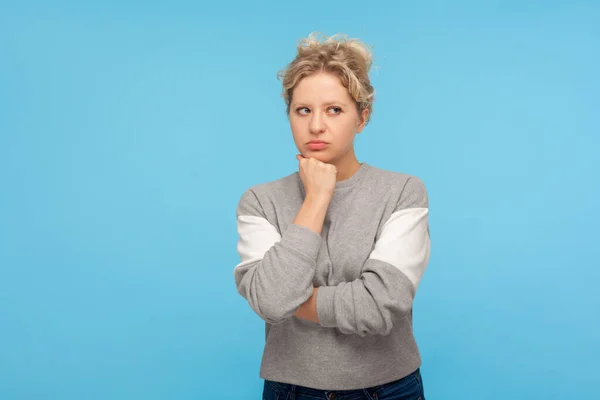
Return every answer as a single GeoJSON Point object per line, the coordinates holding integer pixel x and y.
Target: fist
{"type": "Point", "coordinates": [319, 178]}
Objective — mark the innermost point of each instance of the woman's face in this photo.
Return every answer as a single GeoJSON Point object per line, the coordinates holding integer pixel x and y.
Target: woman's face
{"type": "Point", "coordinates": [323, 110]}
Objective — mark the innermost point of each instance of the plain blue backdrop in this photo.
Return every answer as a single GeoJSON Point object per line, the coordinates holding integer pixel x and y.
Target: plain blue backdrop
{"type": "Point", "coordinates": [129, 131]}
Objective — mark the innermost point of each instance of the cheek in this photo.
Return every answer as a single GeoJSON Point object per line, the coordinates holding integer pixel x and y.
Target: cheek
{"type": "Point", "coordinates": [294, 123]}
{"type": "Point", "coordinates": [347, 128]}
{"type": "Point", "coordinates": [298, 125]}
{"type": "Point", "coordinates": [347, 134]}
{"type": "Point", "coordinates": [297, 131]}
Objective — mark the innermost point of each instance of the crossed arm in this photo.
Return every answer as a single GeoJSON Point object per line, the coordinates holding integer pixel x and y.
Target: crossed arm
{"type": "Point", "coordinates": [276, 272]}
{"type": "Point", "coordinates": [308, 309]}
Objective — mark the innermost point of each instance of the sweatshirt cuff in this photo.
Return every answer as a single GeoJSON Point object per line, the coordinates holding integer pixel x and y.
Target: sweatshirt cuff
{"type": "Point", "coordinates": [326, 306]}
{"type": "Point", "coordinates": [303, 240]}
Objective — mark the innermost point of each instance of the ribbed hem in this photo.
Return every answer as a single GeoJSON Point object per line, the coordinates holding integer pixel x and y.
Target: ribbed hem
{"type": "Point", "coordinates": [326, 306]}
{"type": "Point", "coordinates": [303, 240]}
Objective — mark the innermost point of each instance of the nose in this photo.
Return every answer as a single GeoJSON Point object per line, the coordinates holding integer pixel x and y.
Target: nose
{"type": "Point", "coordinates": [317, 125]}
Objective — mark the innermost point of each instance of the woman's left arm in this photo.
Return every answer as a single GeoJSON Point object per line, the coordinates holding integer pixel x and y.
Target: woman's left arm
{"type": "Point", "coordinates": [390, 276]}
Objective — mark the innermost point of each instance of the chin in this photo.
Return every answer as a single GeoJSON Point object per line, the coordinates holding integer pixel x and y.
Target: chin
{"type": "Point", "coordinates": [320, 155]}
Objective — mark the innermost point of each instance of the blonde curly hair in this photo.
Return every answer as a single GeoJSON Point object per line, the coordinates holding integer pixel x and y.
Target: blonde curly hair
{"type": "Point", "coordinates": [348, 59]}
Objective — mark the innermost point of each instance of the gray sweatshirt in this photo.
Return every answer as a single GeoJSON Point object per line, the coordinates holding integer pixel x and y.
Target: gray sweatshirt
{"type": "Point", "coordinates": [367, 262]}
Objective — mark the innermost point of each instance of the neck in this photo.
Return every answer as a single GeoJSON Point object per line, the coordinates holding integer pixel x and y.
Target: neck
{"type": "Point", "coordinates": [347, 167]}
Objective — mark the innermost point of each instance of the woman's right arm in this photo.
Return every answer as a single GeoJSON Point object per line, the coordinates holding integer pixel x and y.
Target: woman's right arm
{"type": "Point", "coordinates": [276, 271]}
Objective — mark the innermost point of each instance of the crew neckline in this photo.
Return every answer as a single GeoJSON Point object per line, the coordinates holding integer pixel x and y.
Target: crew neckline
{"type": "Point", "coordinates": [358, 175]}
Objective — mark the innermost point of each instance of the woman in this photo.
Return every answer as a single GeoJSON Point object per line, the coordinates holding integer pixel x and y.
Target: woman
{"type": "Point", "coordinates": [331, 255]}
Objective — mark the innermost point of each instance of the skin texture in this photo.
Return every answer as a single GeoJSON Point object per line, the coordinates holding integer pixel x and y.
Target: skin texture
{"type": "Point", "coordinates": [323, 109]}
{"type": "Point", "coordinates": [318, 177]}
{"type": "Point", "coordinates": [308, 310]}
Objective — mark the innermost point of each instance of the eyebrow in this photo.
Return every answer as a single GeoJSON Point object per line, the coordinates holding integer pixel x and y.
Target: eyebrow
{"type": "Point", "coordinates": [327, 103]}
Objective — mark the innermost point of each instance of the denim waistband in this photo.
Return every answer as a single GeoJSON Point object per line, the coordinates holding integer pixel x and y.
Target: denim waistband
{"type": "Point", "coordinates": [354, 394]}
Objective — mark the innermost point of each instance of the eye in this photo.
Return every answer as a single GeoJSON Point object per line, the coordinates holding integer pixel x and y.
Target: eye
{"type": "Point", "coordinates": [300, 109]}
{"type": "Point", "coordinates": [337, 109]}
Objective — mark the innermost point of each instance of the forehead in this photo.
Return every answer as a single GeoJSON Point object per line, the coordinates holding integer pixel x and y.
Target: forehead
{"type": "Point", "coordinates": [320, 88]}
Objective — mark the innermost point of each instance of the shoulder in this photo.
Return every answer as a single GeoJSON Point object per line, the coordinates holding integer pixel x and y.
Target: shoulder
{"type": "Point", "coordinates": [285, 183]}
{"type": "Point", "coordinates": [408, 189]}
{"type": "Point", "coordinates": [254, 199]}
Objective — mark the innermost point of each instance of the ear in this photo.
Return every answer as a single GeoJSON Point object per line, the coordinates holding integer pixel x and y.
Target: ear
{"type": "Point", "coordinates": [363, 120]}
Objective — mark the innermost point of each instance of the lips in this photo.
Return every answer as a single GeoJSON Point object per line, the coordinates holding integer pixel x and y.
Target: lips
{"type": "Point", "coordinates": [317, 145]}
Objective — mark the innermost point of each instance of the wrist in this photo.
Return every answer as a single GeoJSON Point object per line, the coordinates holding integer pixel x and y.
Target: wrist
{"type": "Point", "coordinates": [318, 198]}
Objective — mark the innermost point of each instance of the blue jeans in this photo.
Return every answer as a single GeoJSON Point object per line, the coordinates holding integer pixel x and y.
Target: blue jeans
{"type": "Point", "coordinates": [408, 388]}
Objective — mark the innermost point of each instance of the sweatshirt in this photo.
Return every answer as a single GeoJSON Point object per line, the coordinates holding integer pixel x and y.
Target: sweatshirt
{"type": "Point", "coordinates": [367, 262]}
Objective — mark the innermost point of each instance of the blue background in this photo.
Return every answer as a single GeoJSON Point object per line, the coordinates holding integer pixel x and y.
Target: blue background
{"type": "Point", "coordinates": [129, 130]}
